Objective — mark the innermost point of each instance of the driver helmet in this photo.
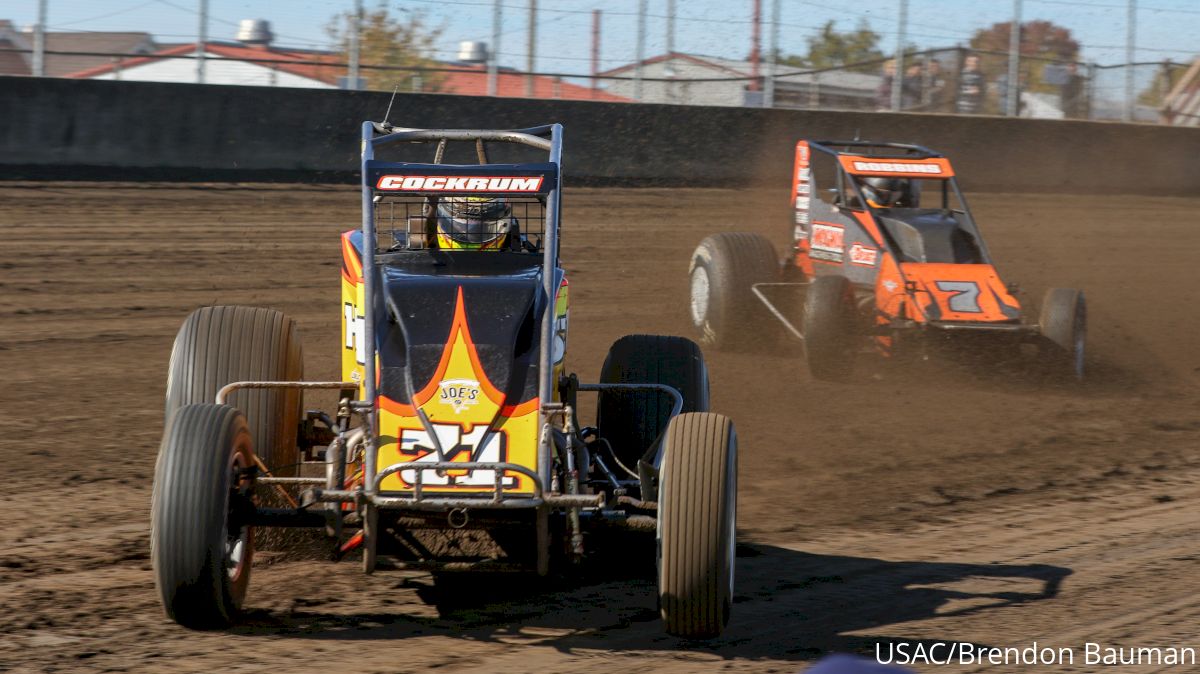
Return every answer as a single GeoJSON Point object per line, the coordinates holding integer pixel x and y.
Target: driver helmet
{"type": "Point", "coordinates": [473, 223]}
{"type": "Point", "coordinates": [885, 192]}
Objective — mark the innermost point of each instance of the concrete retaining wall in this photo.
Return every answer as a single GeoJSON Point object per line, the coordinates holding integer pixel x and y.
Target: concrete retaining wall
{"type": "Point", "coordinates": [68, 129]}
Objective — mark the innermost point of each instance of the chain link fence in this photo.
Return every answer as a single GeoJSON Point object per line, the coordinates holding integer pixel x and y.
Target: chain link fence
{"type": "Point", "coordinates": [968, 82]}
{"type": "Point", "coordinates": [949, 81]}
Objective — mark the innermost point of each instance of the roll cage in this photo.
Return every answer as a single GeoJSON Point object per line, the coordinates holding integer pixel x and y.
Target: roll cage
{"type": "Point", "coordinates": [849, 153]}
{"type": "Point", "coordinates": [548, 178]}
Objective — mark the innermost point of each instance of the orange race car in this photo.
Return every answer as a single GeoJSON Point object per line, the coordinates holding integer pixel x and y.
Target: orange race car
{"type": "Point", "coordinates": [884, 248]}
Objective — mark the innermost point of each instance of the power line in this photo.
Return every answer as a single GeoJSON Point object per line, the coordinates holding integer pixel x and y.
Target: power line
{"type": "Point", "coordinates": [695, 19]}
{"type": "Point", "coordinates": [110, 14]}
{"type": "Point", "coordinates": [235, 24]}
{"type": "Point", "coordinates": [1079, 3]}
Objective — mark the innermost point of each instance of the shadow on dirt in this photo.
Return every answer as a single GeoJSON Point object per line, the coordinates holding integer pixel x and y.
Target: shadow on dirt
{"type": "Point", "coordinates": [789, 605]}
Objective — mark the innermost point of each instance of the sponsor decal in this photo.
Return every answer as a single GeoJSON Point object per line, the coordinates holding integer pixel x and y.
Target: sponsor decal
{"type": "Point", "coordinates": [560, 339]}
{"type": "Point", "coordinates": [459, 393]}
{"type": "Point", "coordinates": [803, 175]}
{"type": "Point", "coordinates": [802, 203]}
{"type": "Point", "coordinates": [477, 445]}
{"type": "Point", "coordinates": [802, 218]}
{"type": "Point", "coordinates": [802, 189]}
{"type": "Point", "coordinates": [862, 254]}
{"type": "Point", "coordinates": [828, 242]}
{"type": "Point", "coordinates": [459, 184]}
{"type": "Point", "coordinates": [964, 296]}
{"type": "Point", "coordinates": [896, 167]}
{"type": "Point", "coordinates": [800, 234]}
{"type": "Point", "coordinates": [890, 285]}
{"type": "Point", "coordinates": [355, 327]}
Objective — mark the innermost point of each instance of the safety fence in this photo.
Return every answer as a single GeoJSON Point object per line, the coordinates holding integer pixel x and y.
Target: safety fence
{"type": "Point", "coordinates": [955, 80]}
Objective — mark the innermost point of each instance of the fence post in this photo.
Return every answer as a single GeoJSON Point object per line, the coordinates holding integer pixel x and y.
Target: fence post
{"type": "Point", "coordinates": [898, 77]}
{"type": "Point", "coordinates": [1091, 89]}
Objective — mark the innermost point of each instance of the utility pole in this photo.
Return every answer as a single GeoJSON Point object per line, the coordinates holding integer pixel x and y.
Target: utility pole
{"type": "Point", "coordinates": [595, 51]}
{"type": "Point", "coordinates": [772, 56]}
{"type": "Point", "coordinates": [641, 50]}
{"type": "Point", "coordinates": [203, 33]}
{"type": "Point", "coordinates": [494, 54]}
{"type": "Point", "coordinates": [670, 27]}
{"type": "Point", "coordinates": [898, 77]}
{"type": "Point", "coordinates": [671, 89]}
{"type": "Point", "coordinates": [755, 44]}
{"type": "Point", "coordinates": [531, 56]}
{"type": "Point", "coordinates": [1130, 57]}
{"type": "Point", "coordinates": [355, 44]}
{"type": "Point", "coordinates": [39, 41]}
{"type": "Point", "coordinates": [1013, 97]}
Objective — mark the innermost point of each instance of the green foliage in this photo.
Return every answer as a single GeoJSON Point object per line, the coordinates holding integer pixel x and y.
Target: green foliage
{"type": "Point", "coordinates": [1042, 43]}
{"type": "Point", "coordinates": [404, 41]}
{"type": "Point", "coordinates": [829, 49]}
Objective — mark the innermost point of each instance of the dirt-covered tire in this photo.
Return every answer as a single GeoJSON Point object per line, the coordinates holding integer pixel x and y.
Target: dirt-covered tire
{"type": "Point", "coordinates": [724, 311]}
{"type": "Point", "coordinates": [201, 545]}
{"type": "Point", "coordinates": [1064, 323]}
{"type": "Point", "coordinates": [219, 345]}
{"type": "Point", "coordinates": [633, 421]}
{"type": "Point", "coordinates": [830, 338]}
{"type": "Point", "coordinates": [697, 525]}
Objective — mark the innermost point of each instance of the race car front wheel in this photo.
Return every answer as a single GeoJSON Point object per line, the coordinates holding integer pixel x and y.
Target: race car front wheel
{"type": "Point", "coordinates": [201, 541]}
{"type": "Point", "coordinates": [697, 525]}
{"type": "Point", "coordinates": [1064, 324]}
{"type": "Point", "coordinates": [830, 346]}
{"type": "Point", "coordinates": [724, 312]}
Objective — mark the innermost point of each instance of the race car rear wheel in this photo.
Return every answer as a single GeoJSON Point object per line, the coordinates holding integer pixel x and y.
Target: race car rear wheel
{"type": "Point", "coordinates": [828, 325]}
{"type": "Point", "coordinates": [201, 542]}
{"type": "Point", "coordinates": [219, 345]}
{"type": "Point", "coordinates": [724, 311]}
{"type": "Point", "coordinates": [633, 421]}
{"type": "Point", "coordinates": [1064, 323]}
{"type": "Point", "coordinates": [697, 525]}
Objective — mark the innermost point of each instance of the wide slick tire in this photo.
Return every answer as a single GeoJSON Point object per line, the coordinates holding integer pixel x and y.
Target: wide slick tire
{"type": "Point", "coordinates": [830, 343]}
{"type": "Point", "coordinates": [201, 544]}
{"type": "Point", "coordinates": [697, 525]}
{"type": "Point", "coordinates": [724, 311]}
{"type": "Point", "coordinates": [1064, 323]}
{"type": "Point", "coordinates": [633, 421]}
{"type": "Point", "coordinates": [219, 345]}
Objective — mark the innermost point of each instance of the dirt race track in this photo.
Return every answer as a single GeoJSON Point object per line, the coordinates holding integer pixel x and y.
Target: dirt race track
{"type": "Point", "coordinates": [933, 505]}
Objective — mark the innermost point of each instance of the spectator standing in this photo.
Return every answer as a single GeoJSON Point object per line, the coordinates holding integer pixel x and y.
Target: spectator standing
{"type": "Point", "coordinates": [883, 94]}
{"type": "Point", "coordinates": [910, 88]}
{"type": "Point", "coordinates": [1002, 93]}
{"type": "Point", "coordinates": [1072, 98]}
{"type": "Point", "coordinates": [971, 87]}
{"type": "Point", "coordinates": [934, 97]}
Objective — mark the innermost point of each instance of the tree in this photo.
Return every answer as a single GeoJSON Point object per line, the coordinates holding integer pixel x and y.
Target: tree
{"type": "Point", "coordinates": [1038, 39]}
{"type": "Point", "coordinates": [386, 40]}
{"type": "Point", "coordinates": [1042, 43]}
{"type": "Point", "coordinates": [830, 49]}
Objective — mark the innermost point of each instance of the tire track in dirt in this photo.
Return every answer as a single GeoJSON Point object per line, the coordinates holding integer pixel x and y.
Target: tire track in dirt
{"type": "Point", "coordinates": [936, 505]}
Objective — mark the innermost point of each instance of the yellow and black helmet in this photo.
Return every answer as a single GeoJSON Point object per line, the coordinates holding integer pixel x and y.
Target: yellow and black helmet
{"type": "Point", "coordinates": [473, 223]}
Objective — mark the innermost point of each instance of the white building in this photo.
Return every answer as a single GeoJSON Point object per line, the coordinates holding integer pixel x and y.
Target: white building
{"type": "Point", "coordinates": [718, 81]}
{"type": "Point", "coordinates": [225, 63]}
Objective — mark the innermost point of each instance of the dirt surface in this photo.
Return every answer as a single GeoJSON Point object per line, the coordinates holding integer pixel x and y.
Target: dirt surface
{"type": "Point", "coordinates": [940, 504]}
